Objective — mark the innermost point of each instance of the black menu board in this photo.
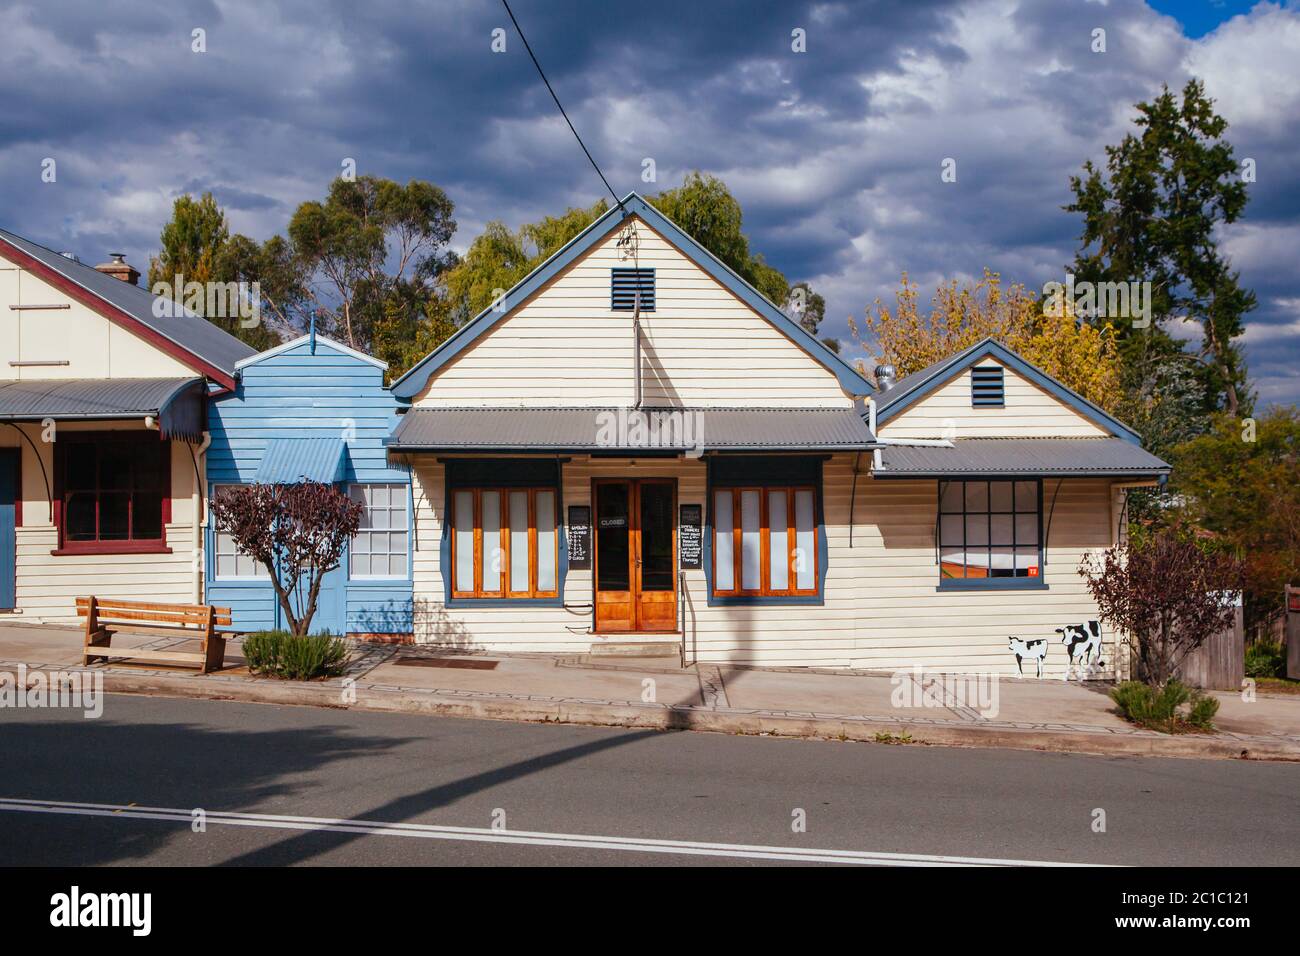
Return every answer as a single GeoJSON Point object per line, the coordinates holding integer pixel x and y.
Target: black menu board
{"type": "Point", "coordinates": [579, 537]}
{"type": "Point", "coordinates": [690, 535]}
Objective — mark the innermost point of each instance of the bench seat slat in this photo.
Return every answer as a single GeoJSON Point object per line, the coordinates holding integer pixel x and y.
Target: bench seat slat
{"type": "Point", "coordinates": [145, 653]}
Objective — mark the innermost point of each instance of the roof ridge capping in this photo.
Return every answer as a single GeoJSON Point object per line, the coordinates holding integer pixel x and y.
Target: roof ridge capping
{"type": "Point", "coordinates": [409, 384]}
{"type": "Point", "coordinates": [921, 383]}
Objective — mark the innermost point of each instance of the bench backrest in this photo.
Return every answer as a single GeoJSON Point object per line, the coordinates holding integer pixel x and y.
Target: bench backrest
{"type": "Point", "coordinates": [176, 615]}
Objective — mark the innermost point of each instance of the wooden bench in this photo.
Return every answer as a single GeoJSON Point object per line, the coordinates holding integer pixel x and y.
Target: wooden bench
{"type": "Point", "coordinates": [108, 616]}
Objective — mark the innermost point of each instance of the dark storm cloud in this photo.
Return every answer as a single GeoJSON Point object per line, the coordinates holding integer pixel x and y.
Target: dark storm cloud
{"type": "Point", "coordinates": [834, 153]}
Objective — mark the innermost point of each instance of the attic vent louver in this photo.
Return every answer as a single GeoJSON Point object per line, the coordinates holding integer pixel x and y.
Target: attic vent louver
{"type": "Point", "coordinates": [986, 388]}
{"type": "Point", "coordinates": [624, 284]}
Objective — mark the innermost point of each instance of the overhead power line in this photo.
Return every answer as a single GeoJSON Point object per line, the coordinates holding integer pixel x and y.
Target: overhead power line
{"type": "Point", "coordinates": [542, 74]}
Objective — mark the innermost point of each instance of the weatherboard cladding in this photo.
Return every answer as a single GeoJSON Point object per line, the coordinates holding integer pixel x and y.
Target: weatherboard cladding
{"type": "Point", "coordinates": [1021, 456]}
{"type": "Point", "coordinates": [669, 429]}
{"type": "Point", "coordinates": [409, 385]}
{"type": "Point", "coordinates": [295, 396]}
{"type": "Point", "coordinates": [191, 332]}
{"type": "Point", "coordinates": [912, 388]}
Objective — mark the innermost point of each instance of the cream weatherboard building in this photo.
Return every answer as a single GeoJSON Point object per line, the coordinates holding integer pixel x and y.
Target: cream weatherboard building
{"type": "Point", "coordinates": [102, 414]}
{"type": "Point", "coordinates": [633, 449]}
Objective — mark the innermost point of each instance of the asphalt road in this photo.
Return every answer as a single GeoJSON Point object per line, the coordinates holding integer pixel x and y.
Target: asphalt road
{"type": "Point", "coordinates": [591, 795]}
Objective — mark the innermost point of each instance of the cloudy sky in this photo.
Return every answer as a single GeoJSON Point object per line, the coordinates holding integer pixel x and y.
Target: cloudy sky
{"type": "Point", "coordinates": [835, 153]}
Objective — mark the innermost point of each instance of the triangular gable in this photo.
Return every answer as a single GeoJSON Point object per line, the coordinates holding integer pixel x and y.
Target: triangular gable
{"type": "Point", "coordinates": [918, 385]}
{"type": "Point", "coordinates": [189, 338]}
{"type": "Point", "coordinates": [305, 339]}
{"type": "Point", "coordinates": [415, 380]}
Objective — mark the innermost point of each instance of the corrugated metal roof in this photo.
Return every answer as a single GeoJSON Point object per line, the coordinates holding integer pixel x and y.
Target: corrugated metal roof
{"type": "Point", "coordinates": [88, 397]}
{"type": "Point", "coordinates": [287, 461]}
{"type": "Point", "coordinates": [648, 430]}
{"type": "Point", "coordinates": [1021, 456]}
{"type": "Point", "coordinates": [191, 332]}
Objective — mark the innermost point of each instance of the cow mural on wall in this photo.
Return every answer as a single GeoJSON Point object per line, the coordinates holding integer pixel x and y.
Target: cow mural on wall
{"type": "Point", "coordinates": [1035, 651]}
{"type": "Point", "coordinates": [1082, 650]}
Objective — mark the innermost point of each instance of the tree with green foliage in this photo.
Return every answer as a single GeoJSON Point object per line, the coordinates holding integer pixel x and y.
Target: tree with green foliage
{"type": "Point", "coordinates": [1154, 214]}
{"type": "Point", "coordinates": [502, 256]}
{"type": "Point", "coordinates": [196, 246]}
{"type": "Point", "coordinates": [706, 211]}
{"type": "Point", "coordinates": [357, 245]}
{"type": "Point", "coordinates": [1241, 481]}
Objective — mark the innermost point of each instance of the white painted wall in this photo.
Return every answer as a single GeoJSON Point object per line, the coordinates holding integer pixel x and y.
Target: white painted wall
{"type": "Point", "coordinates": [93, 346]}
{"type": "Point", "coordinates": [1029, 412]}
{"type": "Point", "coordinates": [702, 346]}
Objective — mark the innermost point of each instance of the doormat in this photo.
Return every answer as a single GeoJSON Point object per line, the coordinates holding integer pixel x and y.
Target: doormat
{"type": "Point", "coordinates": [464, 663]}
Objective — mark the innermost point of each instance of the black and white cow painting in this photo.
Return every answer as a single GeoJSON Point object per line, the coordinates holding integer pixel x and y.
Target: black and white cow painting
{"type": "Point", "coordinates": [1035, 651]}
{"type": "Point", "coordinates": [1082, 647]}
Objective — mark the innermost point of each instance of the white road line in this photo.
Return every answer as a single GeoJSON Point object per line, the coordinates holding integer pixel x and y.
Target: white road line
{"type": "Point", "coordinates": [519, 837]}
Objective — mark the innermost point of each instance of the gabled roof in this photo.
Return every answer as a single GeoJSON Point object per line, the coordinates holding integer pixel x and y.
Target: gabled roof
{"type": "Point", "coordinates": [916, 386]}
{"type": "Point", "coordinates": [294, 343]}
{"type": "Point", "coordinates": [189, 338]}
{"type": "Point", "coordinates": [410, 384]}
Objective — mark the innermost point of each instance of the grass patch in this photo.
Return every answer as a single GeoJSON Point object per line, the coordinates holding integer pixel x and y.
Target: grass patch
{"type": "Point", "coordinates": [1277, 685]}
{"type": "Point", "coordinates": [1173, 709]}
{"type": "Point", "coordinates": [888, 738]}
{"type": "Point", "coordinates": [287, 657]}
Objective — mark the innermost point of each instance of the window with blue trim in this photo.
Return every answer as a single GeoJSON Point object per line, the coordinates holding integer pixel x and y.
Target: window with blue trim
{"type": "Point", "coordinates": [990, 532]}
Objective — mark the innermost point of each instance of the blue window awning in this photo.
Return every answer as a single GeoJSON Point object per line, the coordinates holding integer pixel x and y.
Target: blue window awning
{"type": "Point", "coordinates": [288, 461]}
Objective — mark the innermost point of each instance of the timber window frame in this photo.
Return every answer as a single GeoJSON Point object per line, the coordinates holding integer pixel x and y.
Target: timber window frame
{"type": "Point", "coordinates": [84, 479]}
{"type": "Point", "coordinates": [744, 556]}
{"type": "Point", "coordinates": [989, 534]}
{"type": "Point", "coordinates": [498, 533]}
{"type": "Point", "coordinates": [384, 538]}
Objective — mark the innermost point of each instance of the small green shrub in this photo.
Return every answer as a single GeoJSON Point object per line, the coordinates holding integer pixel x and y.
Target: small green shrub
{"type": "Point", "coordinates": [1203, 709]}
{"type": "Point", "coordinates": [1174, 708]}
{"type": "Point", "coordinates": [1266, 659]}
{"type": "Point", "coordinates": [283, 655]}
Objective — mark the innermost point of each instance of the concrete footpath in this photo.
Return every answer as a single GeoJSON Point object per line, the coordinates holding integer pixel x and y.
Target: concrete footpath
{"type": "Point", "coordinates": [655, 693]}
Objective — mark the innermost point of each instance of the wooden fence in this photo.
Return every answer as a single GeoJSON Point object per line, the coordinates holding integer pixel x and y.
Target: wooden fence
{"type": "Point", "coordinates": [1292, 614]}
{"type": "Point", "coordinates": [1219, 663]}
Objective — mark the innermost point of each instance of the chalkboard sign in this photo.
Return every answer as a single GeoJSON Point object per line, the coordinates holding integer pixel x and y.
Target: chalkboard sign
{"type": "Point", "coordinates": [690, 535]}
{"type": "Point", "coordinates": [579, 537]}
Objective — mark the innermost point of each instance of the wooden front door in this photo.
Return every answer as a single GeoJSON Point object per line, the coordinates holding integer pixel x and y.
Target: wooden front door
{"type": "Point", "coordinates": [636, 555]}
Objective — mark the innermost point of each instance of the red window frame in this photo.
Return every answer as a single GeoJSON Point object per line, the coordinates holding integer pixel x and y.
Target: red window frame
{"type": "Point", "coordinates": [148, 443]}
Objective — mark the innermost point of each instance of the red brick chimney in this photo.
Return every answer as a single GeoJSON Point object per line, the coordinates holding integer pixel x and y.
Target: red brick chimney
{"type": "Point", "coordinates": [119, 268]}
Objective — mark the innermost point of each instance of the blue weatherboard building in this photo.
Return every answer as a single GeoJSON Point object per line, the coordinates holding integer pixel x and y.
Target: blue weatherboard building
{"type": "Point", "coordinates": [314, 409]}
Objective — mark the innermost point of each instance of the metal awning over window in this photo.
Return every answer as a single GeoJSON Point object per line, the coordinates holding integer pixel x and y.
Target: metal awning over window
{"type": "Point", "coordinates": [288, 461]}
{"type": "Point", "coordinates": [1022, 457]}
{"type": "Point", "coordinates": [631, 431]}
{"type": "Point", "coordinates": [177, 404]}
